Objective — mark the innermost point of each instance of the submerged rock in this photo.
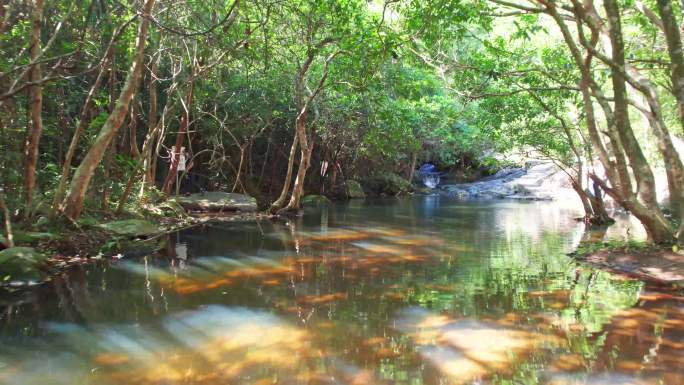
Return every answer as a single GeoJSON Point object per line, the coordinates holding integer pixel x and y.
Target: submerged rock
{"type": "Point", "coordinates": [20, 263]}
{"type": "Point", "coordinates": [217, 201]}
{"type": "Point", "coordinates": [315, 200]}
{"type": "Point", "coordinates": [131, 228]}
{"type": "Point", "coordinates": [354, 190]}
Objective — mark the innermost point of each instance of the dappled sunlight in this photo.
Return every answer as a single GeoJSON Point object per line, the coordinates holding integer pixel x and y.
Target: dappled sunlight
{"type": "Point", "coordinates": [208, 346]}
{"type": "Point", "coordinates": [444, 299]}
{"type": "Point", "coordinates": [468, 349]}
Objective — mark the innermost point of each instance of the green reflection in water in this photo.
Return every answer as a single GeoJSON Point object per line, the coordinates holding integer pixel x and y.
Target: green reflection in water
{"type": "Point", "coordinates": [412, 291]}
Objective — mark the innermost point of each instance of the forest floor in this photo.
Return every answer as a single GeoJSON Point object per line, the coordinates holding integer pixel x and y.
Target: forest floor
{"type": "Point", "coordinates": [653, 264]}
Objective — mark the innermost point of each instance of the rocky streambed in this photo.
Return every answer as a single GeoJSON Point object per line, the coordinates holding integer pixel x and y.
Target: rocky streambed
{"type": "Point", "coordinates": [535, 181]}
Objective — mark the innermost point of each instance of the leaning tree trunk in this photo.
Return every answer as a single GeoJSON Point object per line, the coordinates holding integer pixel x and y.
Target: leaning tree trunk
{"type": "Point", "coordinates": [36, 106]}
{"type": "Point", "coordinates": [642, 170]}
{"type": "Point", "coordinates": [84, 173]}
{"type": "Point", "coordinates": [280, 202]}
{"type": "Point", "coordinates": [71, 151]}
{"type": "Point", "coordinates": [620, 188]}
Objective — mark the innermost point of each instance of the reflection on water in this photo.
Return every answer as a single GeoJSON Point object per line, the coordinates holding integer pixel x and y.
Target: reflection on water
{"type": "Point", "coordinates": [414, 291]}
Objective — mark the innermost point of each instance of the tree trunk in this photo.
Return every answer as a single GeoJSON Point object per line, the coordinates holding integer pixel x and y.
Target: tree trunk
{"type": "Point", "coordinates": [642, 170]}
{"type": "Point", "coordinates": [151, 121]}
{"type": "Point", "coordinates": [414, 159]}
{"type": "Point", "coordinates": [598, 206]}
{"type": "Point", "coordinates": [305, 159]}
{"type": "Point", "coordinates": [180, 139]}
{"type": "Point", "coordinates": [280, 202]}
{"type": "Point", "coordinates": [82, 124]}
{"type": "Point", "coordinates": [674, 47]}
{"type": "Point", "coordinates": [586, 204]}
{"type": "Point", "coordinates": [36, 106]}
{"type": "Point", "coordinates": [84, 173]}
{"type": "Point", "coordinates": [622, 191]}
{"type": "Point", "coordinates": [239, 169]}
{"type": "Point", "coordinates": [6, 220]}
{"type": "Point", "coordinates": [133, 131]}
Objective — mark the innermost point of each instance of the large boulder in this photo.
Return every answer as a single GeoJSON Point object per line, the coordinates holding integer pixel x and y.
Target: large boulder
{"type": "Point", "coordinates": [387, 184]}
{"type": "Point", "coordinates": [217, 201]}
{"type": "Point", "coordinates": [20, 263]}
{"type": "Point", "coordinates": [131, 228]}
{"type": "Point", "coordinates": [354, 190]}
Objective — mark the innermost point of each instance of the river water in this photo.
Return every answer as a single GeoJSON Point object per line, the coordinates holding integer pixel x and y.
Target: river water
{"type": "Point", "coordinates": [412, 291]}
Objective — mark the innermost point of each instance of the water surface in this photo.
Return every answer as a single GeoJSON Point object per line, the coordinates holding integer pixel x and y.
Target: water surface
{"type": "Point", "coordinates": [410, 291]}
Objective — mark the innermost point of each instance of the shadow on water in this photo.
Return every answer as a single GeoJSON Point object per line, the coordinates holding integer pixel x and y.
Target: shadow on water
{"type": "Point", "coordinates": [406, 291]}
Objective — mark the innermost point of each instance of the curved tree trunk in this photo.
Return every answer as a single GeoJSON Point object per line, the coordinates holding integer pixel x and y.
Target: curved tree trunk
{"type": "Point", "coordinates": [612, 153]}
{"type": "Point", "coordinates": [84, 120]}
{"type": "Point", "coordinates": [35, 129]}
{"type": "Point", "coordinates": [84, 173]}
{"type": "Point", "coordinates": [280, 202]}
{"type": "Point", "coordinates": [586, 204]}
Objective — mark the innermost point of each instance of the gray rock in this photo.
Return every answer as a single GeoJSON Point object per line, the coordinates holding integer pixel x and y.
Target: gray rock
{"type": "Point", "coordinates": [131, 228]}
{"type": "Point", "coordinates": [217, 201]}
{"type": "Point", "coordinates": [354, 190]}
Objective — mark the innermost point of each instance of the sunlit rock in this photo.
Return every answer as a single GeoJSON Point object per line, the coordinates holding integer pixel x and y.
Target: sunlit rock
{"type": "Point", "coordinates": [217, 201]}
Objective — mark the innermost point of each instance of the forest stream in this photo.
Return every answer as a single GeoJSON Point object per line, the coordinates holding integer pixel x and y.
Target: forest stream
{"type": "Point", "coordinates": [423, 290]}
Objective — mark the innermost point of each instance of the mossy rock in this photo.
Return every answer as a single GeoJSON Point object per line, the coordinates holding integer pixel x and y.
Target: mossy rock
{"type": "Point", "coordinates": [386, 185]}
{"type": "Point", "coordinates": [33, 238]}
{"type": "Point", "coordinates": [315, 200]}
{"type": "Point", "coordinates": [217, 201]}
{"type": "Point", "coordinates": [354, 190]}
{"type": "Point", "coordinates": [20, 263]}
{"type": "Point", "coordinates": [131, 228]}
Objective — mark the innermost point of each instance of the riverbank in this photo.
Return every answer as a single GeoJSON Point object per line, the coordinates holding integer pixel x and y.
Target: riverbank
{"type": "Point", "coordinates": [657, 265]}
{"type": "Point", "coordinates": [45, 249]}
